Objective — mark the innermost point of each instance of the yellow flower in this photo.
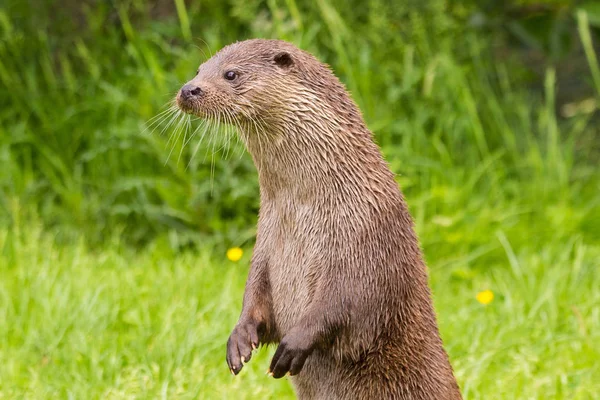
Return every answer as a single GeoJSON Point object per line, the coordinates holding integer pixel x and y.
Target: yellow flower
{"type": "Point", "coordinates": [485, 297]}
{"type": "Point", "coordinates": [234, 254]}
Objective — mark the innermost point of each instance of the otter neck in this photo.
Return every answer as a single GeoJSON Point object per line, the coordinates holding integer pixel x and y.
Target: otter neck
{"type": "Point", "coordinates": [311, 159]}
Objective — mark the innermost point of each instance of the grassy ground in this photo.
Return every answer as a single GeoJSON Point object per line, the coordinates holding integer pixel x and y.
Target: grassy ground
{"type": "Point", "coordinates": [114, 324]}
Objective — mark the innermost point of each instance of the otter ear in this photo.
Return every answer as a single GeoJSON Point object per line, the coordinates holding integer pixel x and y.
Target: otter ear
{"type": "Point", "coordinates": [283, 60]}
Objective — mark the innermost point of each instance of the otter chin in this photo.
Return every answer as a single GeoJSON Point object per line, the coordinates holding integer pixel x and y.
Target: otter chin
{"type": "Point", "coordinates": [337, 280]}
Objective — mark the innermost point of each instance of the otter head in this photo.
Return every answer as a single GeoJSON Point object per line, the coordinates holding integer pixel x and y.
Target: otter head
{"type": "Point", "coordinates": [244, 83]}
{"type": "Point", "coordinates": [277, 95]}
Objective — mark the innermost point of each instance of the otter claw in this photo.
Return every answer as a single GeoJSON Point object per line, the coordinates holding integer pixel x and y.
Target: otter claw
{"type": "Point", "coordinates": [240, 345]}
{"type": "Point", "coordinates": [291, 354]}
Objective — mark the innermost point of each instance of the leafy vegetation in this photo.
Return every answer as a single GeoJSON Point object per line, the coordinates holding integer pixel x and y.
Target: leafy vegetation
{"type": "Point", "coordinates": [113, 276]}
{"type": "Point", "coordinates": [77, 150]}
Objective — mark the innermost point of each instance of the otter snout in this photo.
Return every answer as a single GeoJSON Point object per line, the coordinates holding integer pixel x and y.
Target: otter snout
{"type": "Point", "coordinates": [188, 96]}
{"type": "Point", "coordinates": [189, 91]}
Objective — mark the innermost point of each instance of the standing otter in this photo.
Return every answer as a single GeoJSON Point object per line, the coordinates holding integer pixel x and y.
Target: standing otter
{"type": "Point", "coordinates": [337, 276]}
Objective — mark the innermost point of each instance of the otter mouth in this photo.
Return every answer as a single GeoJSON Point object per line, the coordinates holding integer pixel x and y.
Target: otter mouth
{"type": "Point", "coordinates": [189, 106]}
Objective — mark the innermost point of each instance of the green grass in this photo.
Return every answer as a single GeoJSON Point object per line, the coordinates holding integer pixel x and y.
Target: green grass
{"type": "Point", "coordinates": [117, 324]}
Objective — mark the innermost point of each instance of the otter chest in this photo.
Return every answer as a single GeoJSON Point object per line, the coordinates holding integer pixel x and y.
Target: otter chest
{"type": "Point", "coordinates": [296, 261]}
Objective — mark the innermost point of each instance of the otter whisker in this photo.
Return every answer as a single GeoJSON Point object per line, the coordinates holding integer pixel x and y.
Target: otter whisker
{"type": "Point", "coordinates": [242, 146]}
{"type": "Point", "coordinates": [212, 157]}
{"type": "Point", "coordinates": [176, 128]}
{"type": "Point", "coordinates": [239, 138]}
{"type": "Point", "coordinates": [200, 126]}
{"type": "Point", "coordinates": [210, 136]}
{"type": "Point", "coordinates": [187, 128]}
{"type": "Point", "coordinates": [172, 141]}
{"type": "Point", "coordinates": [194, 133]}
{"type": "Point", "coordinates": [165, 108]}
{"type": "Point", "coordinates": [176, 133]}
{"type": "Point", "coordinates": [230, 131]}
{"type": "Point", "coordinates": [227, 132]}
{"type": "Point", "coordinates": [235, 138]}
{"type": "Point", "coordinates": [206, 125]}
{"type": "Point", "coordinates": [207, 46]}
{"type": "Point", "coordinates": [175, 117]}
{"type": "Point", "coordinates": [159, 119]}
{"type": "Point", "coordinates": [219, 133]}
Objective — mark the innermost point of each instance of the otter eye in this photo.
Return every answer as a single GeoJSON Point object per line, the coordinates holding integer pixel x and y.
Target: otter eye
{"type": "Point", "coordinates": [230, 75]}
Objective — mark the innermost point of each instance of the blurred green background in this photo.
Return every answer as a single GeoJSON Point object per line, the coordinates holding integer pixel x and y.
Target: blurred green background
{"type": "Point", "coordinates": [114, 280]}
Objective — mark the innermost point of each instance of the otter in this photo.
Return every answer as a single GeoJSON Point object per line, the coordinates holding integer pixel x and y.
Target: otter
{"type": "Point", "coordinates": [337, 279]}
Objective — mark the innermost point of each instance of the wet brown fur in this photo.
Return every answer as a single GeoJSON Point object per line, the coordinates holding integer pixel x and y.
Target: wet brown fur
{"type": "Point", "coordinates": [337, 270]}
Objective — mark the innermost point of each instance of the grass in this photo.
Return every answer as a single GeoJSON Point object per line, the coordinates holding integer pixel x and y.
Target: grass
{"type": "Point", "coordinates": [116, 324]}
{"type": "Point", "coordinates": [113, 276]}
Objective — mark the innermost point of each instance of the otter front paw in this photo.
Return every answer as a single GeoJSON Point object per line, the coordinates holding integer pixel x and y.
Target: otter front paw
{"type": "Point", "coordinates": [242, 341]}
{"type": "Point", "coordinates": [291, 354]}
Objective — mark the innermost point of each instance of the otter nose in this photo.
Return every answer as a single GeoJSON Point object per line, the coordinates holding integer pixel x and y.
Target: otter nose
{"type": "Point", "coordinates": [188, 91]}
